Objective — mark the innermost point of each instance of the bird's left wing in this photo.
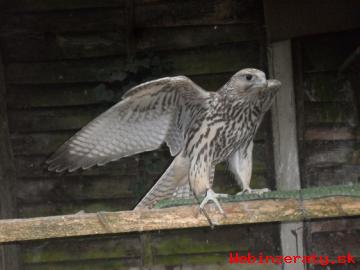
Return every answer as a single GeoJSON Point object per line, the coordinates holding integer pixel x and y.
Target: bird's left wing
{"type": "Point", "coordinates": [149, 114]}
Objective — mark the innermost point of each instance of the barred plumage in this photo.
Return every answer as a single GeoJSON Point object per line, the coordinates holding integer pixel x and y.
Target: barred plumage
{"type": "Point", "coordinates": [200, 128]}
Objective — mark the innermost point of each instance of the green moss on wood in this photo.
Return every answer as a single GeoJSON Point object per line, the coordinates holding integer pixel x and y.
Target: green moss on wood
{"type": "Point", "coordinates": [304, 194]}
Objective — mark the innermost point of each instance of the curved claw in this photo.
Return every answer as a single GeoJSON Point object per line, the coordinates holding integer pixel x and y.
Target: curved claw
{"type": "Point", "coordinates": [212, 196]}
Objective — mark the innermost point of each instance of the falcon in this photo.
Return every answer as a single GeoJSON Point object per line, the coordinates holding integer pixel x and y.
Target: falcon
{"type": "Point", "coordinates": [200, 128]}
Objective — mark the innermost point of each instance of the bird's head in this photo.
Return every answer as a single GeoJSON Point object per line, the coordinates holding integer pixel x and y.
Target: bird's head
{"type": "Point", "coordinates": [250, 80]}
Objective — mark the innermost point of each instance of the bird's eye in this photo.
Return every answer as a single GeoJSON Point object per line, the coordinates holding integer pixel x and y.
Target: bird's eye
{"type": "Point", "coordinates": [248, 77]}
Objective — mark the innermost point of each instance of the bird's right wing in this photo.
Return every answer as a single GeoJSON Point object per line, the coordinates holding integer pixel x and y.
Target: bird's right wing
{"type": "Point", "coordinates": [149, 114]}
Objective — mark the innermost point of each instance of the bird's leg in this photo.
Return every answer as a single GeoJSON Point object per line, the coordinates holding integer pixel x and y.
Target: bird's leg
{"type": "Point", "coordinates": [240, 165]}
{"type": "Point", "coordinates": [211, 180]}
{"type": "Point", "coordinates": [203, 211]}
{"type": "Point", "coordinates": [211, 196]}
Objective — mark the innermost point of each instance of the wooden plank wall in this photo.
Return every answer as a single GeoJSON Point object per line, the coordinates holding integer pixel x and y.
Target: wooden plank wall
{"type": "Point", "coordinates": [68, 61]}
{"type": "Point", "coordinates": [328, 133]}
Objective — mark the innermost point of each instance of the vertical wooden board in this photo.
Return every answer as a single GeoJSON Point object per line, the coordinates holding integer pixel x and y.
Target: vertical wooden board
{"type": "Point", "coordinates": [331, 133]}
{"type": "Point", "coordinates": [38, 143]}
{"type": "Point", "coordinates": [222, 240]}
{"type": "Point", "coordinates": [81, 20]}
{"type": "Point", "coordinates": [328, 52]}
{"type": "Point", "coordinates": [160, 13]}
{"type": "Point", "coordinates": [169, 38]}
{"type": "Point", "coordinates": [326, 87]}
{"type": "Point", "coordinates": [24, 96]}
{"type": "Point", "coordinates": [317, 113]}
{"type": "Point", "coordinates": [41, 5]}
{"type": "Point", "coordinates": [98, 70]}
{"type": "Point", "coordinates": [35, 96]}
{"type": "Point", "coordinates": [200, 247]}
{"type": "Point", "coordinates": [199, 61]}
{"type": "Point", "coordinates": [332, 175]}
{"type": "Point", "coordinates": [58, 46]}
{"type": "Point", "coordinates": [53, 119]}
{"type": "Point", "coordinates": [202, 12]}
{"type": "Point", "coordinates": [44, 209]}
{"type": "Point", "coordinates": [85, 248]}
{"type": "Point", "coordinates": [329, 153]}
{"type": "Point", "coordinates": [35, 167]}
{"type": "Point", "coordinates": [121, 264]}
{"type": "Point", "coordinates": [335, 244]}
{"type": "Point", "coordinates": [9, 259]}
{"type": "Point", "coordinates": [71, 189]}
{"type": "Point", "coordinates": [330, 130]}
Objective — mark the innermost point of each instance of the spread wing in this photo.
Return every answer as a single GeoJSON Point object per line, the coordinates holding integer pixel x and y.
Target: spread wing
{"type": "Point", "coordinates": [149, 114]}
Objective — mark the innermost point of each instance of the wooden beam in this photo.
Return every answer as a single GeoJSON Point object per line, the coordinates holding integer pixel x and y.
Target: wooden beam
{"type": "Point", "coordinates": [285, 144]}
{"type": "Point", "coordinates": [186, 216]}
{"type": "Point", "coordinates": [8, 254]}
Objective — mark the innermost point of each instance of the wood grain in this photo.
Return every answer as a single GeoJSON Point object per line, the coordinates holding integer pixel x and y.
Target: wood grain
{"type": "Point", "coordinates": [181, 217]}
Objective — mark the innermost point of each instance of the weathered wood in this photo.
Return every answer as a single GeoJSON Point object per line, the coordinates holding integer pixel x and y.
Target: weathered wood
{"type": "Point", "coordinates": [43, 120]}
{"type": "Point", "coordinates": [227, 58]}
{"type": "Point", "coordinates": [45, 209]}
{"type": "Point", "coordinates": [175, 242]}
{"type": "Point", "coordinates": [326, 87]}
{"type": "Point", "coordinates": [286, 157]}
{"type": "Point", "coordinates": [329, 153]}
{"type": "Point", "coordinates": [334, 133]}
{"type": "Point", "coordinates": [332, 175]}
{"type": "Point", "coordinates": [286, 20]}
{"type": "Point", "coordinates": [98, 70]}
{"type": "Point", "coordinates": [72, 189]}
{"type": "Point", "coordinates": [181, 217]}
{"type": "Point", "coordinates": [329, 112]}
{"type": "Point", "coordinates": [41, 5]}
{"type": "Point", "coordinates": [46, 143]}
{"type": "Point", "coordinates": [8, 208]}
{"type": "Point", "coordinates": [163, 13]}
{"type": "Point", "coordinates": [328, 52]}
{"type": "Point", "coordinates": [63, 21]}
{"type": "Point", "coordinates": [202, 12]}
{"type": "Point", "coordinates": [199, 246]}
{"type": "Point", "coordinates": [122, 263]}
{"type": "Point", "coordinates": [70, 250]}
{"type": "Point", "coordinates": [335, 244]}
{"type": "Point", "coordinates": [22, 96]}
{"type": "Point", "coordinates": [335, 225]}
{"type": "Point", "coordinates": [56, 119]}
{"type": "Point", "coordinates": [35, 166]}
{"type": "Point", "coordinates": [34, 96]}
{"type": "Point", "coordinates": [74, 45]}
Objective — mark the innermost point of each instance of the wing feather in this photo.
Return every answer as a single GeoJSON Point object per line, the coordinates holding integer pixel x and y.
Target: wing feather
{"type": "Point", "coordinates": [147, 117]}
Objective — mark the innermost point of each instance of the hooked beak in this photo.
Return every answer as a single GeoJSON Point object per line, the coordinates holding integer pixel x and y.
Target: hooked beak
{"type": "Point", "coordinates": [273, 84]}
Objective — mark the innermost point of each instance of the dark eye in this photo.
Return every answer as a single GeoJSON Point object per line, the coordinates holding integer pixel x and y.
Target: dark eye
{"type": "Point", "coordinates": [248, 77]}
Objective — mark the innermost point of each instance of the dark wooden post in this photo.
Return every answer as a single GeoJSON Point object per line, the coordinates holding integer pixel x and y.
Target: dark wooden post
{"type": "Point", "coordinates": [8, 253]}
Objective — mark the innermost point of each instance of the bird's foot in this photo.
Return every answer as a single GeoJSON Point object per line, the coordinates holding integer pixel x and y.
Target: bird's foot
{"type": "Point", "coordinates": [253, 191]}
{"type": "Point", "coordinates": [212, 196]}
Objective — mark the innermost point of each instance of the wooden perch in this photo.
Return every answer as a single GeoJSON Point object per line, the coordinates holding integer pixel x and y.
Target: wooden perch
{"type": "Point", "coordinates": [271, 207]}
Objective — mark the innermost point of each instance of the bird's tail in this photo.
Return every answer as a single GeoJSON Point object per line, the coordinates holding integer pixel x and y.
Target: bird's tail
{"type": "Point", "coordinates": [173, 183]}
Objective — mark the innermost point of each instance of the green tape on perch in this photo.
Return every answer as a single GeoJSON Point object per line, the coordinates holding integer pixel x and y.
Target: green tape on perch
{"type": "Point", "coordinates": [304, 194]}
